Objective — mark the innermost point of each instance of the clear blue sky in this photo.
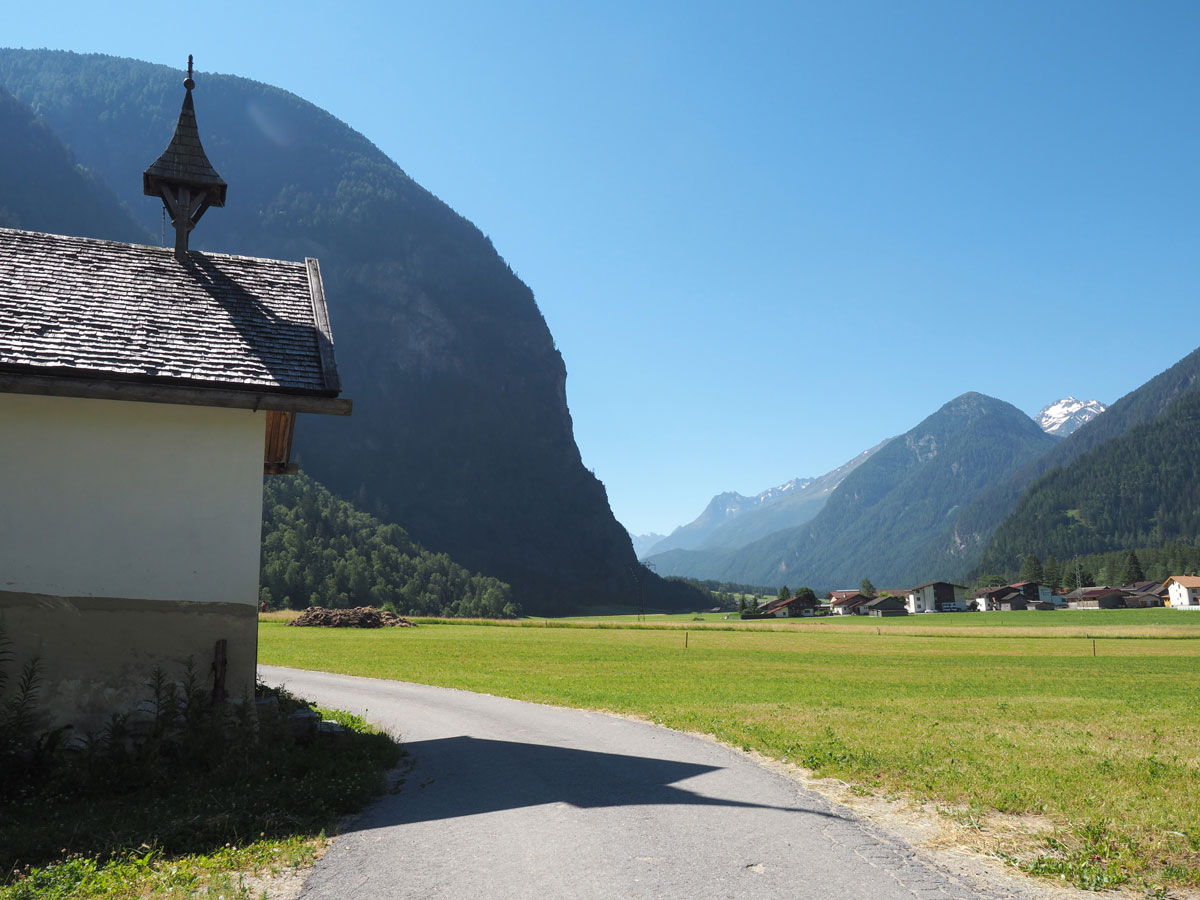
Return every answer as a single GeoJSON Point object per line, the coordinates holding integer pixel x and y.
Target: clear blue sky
{"type": "Point", "coordinates": [768, 235]}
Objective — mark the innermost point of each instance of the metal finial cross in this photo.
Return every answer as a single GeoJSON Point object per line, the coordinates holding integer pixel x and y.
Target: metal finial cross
{"type": "Point", "coordinates": [188, 82]}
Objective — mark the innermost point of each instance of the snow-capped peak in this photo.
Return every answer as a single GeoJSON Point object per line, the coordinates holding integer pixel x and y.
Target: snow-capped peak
{"type": "Point", "coordinates": [1064, 416]}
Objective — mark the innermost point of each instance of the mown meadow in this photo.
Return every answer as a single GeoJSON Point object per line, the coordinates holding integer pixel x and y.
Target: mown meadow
{"type": "Point", "coordinates": [1085, 722]}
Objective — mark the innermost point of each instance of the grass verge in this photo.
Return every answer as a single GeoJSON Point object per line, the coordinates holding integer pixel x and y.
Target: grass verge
{"type": "Point", "coordinates": [1103, 749]}
{"type": "Point", "coordinates": [205, 806]}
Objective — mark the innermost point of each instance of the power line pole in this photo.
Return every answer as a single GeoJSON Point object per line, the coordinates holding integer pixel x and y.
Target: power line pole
{"type": "Point", "coordinates": [640, 571]}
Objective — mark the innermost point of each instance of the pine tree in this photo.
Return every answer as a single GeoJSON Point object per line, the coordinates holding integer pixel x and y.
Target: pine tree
{"type": "Point", "coordinates": [1052, 573]}
{"type": "Point", "coordinates": [1031, 569]}
{"type": "Point", "coordinates": [784, 593]}
{"type": "Point", "coordinates": [867, 589]}
{"type": "Point", "coordinates": [1133, 572]}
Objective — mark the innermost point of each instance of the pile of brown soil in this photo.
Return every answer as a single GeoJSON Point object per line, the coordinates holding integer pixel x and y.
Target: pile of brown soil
{"type": "Point", "coordinates": [359, 617]}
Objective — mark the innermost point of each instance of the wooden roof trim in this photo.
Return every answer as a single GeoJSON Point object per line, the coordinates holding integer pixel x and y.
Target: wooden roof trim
{"type": "Point", "coordinates": [316, 290]}
{"type": "Point", "coordinates": [182, 395]}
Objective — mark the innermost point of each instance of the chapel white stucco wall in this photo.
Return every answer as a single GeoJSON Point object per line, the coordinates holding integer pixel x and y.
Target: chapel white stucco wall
{"type": "Point", "coordinates": [133, 500]}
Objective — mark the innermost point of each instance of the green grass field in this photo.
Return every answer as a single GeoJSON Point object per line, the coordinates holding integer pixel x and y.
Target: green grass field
{"type": "Point", "coordinates": [978, 713]}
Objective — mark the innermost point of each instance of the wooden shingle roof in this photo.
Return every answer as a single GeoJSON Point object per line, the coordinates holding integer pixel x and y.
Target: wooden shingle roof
{"type": "Point", "coordinates": [83, 317]}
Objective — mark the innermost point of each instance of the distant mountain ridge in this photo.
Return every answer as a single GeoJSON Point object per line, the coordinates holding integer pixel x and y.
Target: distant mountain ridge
{"type": "Point", "coordinates": [721, 509]}
{"type": "Point", "coordinates": [884, 518]}
{"type": "Point", "coordinates": [1062, 417]}
{"type": "Point", "coordinates": [643, 542]}
{"type": "Point", "coordinates": [731, 520]}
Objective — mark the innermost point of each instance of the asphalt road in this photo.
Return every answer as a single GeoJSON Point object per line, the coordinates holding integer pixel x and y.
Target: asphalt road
{"type": "Point", "coordinates": [506, 799]}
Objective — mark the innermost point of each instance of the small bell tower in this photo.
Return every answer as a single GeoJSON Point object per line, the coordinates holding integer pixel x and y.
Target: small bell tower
{"type": "Point", "coordinates": [183, 177]}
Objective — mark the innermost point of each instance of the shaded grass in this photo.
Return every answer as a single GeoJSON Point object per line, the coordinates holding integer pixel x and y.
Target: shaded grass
{"type": "Point", "coordinates": [187, 817]}
{"type": "Point", "coordinates": [1107, 747]}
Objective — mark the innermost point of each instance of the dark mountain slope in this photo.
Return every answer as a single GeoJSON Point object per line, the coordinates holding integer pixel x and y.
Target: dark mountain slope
{"type": "Point", "coordinates": [966, 541]}
{"type": "Point", "coordinates": [882, 519]}
{"type": "Point", "coordinates": [1139, 489]}
{"type": "Point", "coordinates": [43, 189]}
{"type": "Point", "coordinates": [461, 431]}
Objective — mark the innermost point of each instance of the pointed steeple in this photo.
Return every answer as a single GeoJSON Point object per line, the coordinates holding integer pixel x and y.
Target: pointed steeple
{"type": "Point", "coordinates": [183, 177]}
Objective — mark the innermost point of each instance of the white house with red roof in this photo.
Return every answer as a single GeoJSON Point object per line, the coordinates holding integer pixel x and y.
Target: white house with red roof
{"type": "Point", "coordinates": [1183, 591]}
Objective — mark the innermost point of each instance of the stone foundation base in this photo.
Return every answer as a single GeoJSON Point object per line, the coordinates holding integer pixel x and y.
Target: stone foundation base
{"type": "Point", "coordinates": [98, 654]}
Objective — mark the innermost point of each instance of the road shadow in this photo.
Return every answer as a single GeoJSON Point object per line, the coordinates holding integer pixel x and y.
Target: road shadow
{"type": "Point", "coordinates": [466, 776]}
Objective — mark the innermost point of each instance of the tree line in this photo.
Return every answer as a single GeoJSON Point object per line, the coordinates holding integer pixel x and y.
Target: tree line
{"type": "Point", "coordinates": [319, 550]}
{"type": "Point", "coordinates": [1116, 568]}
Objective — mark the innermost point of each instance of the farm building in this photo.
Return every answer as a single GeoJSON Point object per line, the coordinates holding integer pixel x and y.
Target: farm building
{"type": "Point", "coordinates": [886, 606]}
{"type": "Point", "coordinates": [1096, 598]}
{"type": "Point", "coordinates": [144, 392]}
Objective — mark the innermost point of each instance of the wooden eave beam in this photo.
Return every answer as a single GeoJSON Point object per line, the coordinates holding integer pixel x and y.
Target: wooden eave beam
{"type": "Point", "coordinates": [182, 395]}
{"type": "Point", "coordinates": [277, 448]}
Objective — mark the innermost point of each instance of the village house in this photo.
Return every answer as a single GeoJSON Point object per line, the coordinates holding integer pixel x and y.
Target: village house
{"type": "Point", "coordinates": [789, 607]}
{"type": "Point", "coordinates": [1183, 591]}
{"type": "Point", "coordinates": [144, 392]}
{"type": "Point", "coordinates": [1156, 588]}
{"type": "Point", "coordinates": [1034, 593]}
{"type": "Point", "coordinates": [846, 603]}
{"type": "Point", "coordinates": [937, 596]}
{"type": "Point", "coordinates": [1001, 597]}
{"type": "Point", "coordinates": [1022, 595]}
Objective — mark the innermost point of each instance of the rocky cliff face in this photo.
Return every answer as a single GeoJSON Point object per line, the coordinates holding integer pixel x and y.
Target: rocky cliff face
{"type": "Point", "coordinates": [461, 431]}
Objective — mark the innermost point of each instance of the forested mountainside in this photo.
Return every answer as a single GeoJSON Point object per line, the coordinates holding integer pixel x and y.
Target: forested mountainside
{"type": "Point", "coordinates": [45, 190]}
{"type": "Point", "coordinates": [973, 528]}
{"type": "Point", "coordinates": [1139, 489]}
{"type": "Point", "coordinates": [460, 431]}
{"type": "Point", "coordinates": [884, 517]}
{"type": "Point", "coordinates": [318, 549]}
